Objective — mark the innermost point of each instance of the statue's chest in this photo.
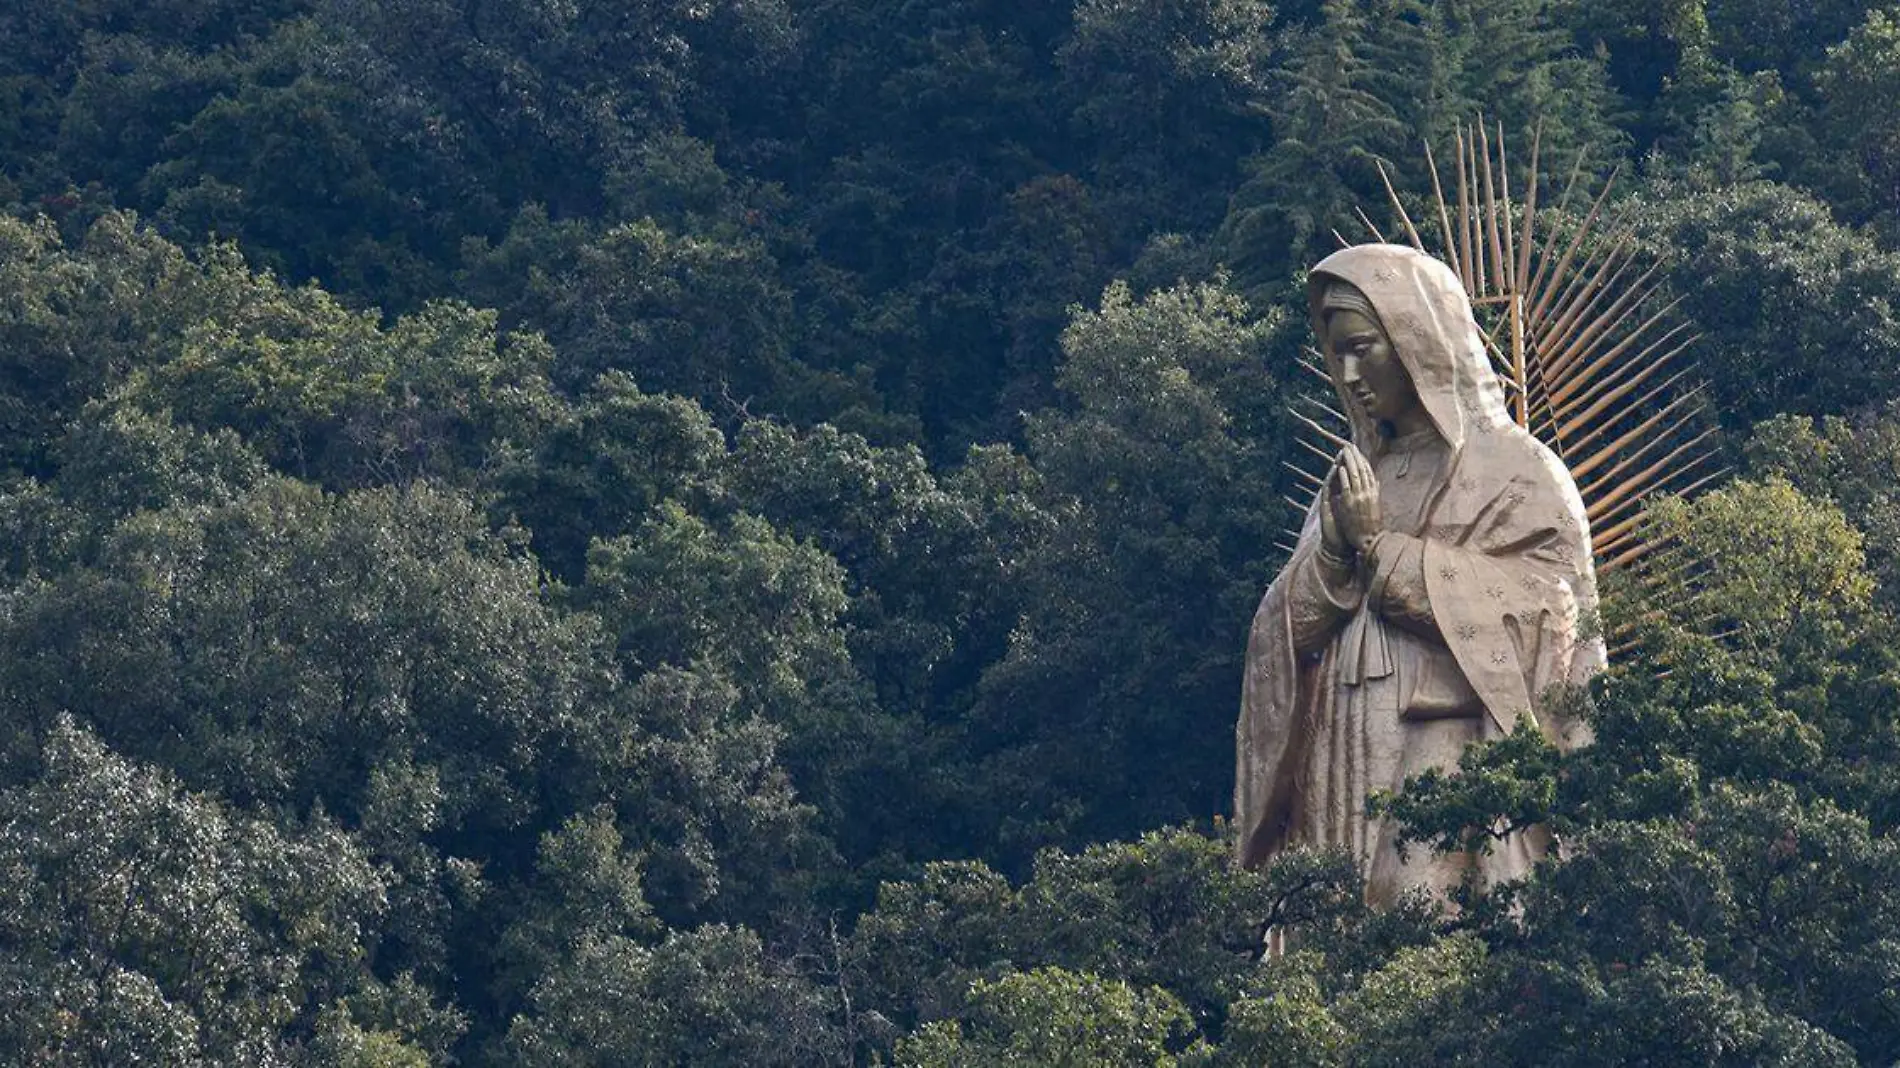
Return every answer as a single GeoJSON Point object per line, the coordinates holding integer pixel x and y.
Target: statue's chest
{"type": "Point", "coordinates": [1406, 482]}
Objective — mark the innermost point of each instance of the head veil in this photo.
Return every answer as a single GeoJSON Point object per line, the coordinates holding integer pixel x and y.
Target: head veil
{"type": "Point", "coordinates": [1423, 309]}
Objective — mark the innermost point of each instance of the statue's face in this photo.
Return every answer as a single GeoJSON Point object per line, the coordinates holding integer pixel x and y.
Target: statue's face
{"type": "Point", "coordinates": [1369, 368]}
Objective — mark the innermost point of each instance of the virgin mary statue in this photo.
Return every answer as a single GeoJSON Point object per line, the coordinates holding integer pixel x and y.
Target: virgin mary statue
{"type": "Point", "coordinates": [1437, 594]}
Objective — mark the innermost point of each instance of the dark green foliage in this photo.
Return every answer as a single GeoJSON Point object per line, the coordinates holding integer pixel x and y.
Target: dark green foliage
{"type": "Point", "coordinates": [1858, 71]}
{"type": "Point", "coordinates": [1334, 127]}
{"type": "Point", "coordinates": [1054, 1017]}
{"type": "Point", "coordinates": [703, 997]}
{"type": "Point", "coordinates": [1165, 94]}
{"type": "Point", "coordinates": [1758, 35]}
{"type": "Point", "coordinates": [1167, 914]}
{"type": "Point", "coordinates": [1792, 305]}
{"type": "Point", "coordinates": [1164, 471]}
{"type": "Point", "coordinates": [1368, 86]}
{"type": "Point", "coordinates": [721, 533]}
{"type": "Point", "coordinates": [147, 924]}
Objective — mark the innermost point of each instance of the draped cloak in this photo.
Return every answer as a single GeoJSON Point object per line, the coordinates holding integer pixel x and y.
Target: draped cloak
{"type": "Point", "coordinates": [1470, 614]}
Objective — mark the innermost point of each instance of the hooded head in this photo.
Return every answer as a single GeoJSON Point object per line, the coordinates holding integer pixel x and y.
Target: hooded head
{"type": "Point", "coordinates": [1422, 309]}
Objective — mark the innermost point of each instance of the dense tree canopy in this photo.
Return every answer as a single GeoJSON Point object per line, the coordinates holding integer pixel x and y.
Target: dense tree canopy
{"type": "Point", "coordinates": [722, 533]}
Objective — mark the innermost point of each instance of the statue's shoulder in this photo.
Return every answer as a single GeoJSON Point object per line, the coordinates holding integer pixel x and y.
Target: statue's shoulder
{"type": "Point", "coordinates": [1517, 452]}
{"type": "Point", "coordinates": [1508, 460]}
{"type": "Point", "coordinates": [1538, 471]}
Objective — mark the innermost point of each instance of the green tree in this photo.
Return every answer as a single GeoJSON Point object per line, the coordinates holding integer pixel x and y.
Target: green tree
{"type": "Point", "coordinates": [932, 565]}
{"type": "Point", "coordinates": [604, 464]}
{"type": "Point", "coordinates": [1168, 94]}
{"type": "Point", "coordinates": [1339, 114]}
{"type": "Point", "coordinates": [1788, 300]}
{"type": "Point", "coordinates": [707, 997]}
{"type": "Point", "coordinates": [320, 390]}
{"type": "Point", "coordinates": [1057, 1018]}
{"type": "Point", "coordinates": [147, 923]}
{"type": "Point", "coordinates": [1167, 912]}
{"type": "Point", "coordinates": [1866, 163]}
{"type": "Point", "coordinates": [1793, 38]}
{"type": "Point", "coordinates": [1164, 474]}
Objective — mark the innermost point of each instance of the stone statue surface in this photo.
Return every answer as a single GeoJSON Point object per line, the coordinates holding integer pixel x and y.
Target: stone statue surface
{"type": "Point", "coordinates": [1438, 594]}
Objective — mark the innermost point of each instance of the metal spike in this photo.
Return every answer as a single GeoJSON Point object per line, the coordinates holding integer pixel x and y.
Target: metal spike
{"type": "Point", "coordinates": [1593, 320]}
{"type": "Point", "coordinates": [1444, 211]}
{"type": "Point", "coordinates": [1584, 333]}
{"type": "Point", "coordinates": [1637, 484]}
{"type": "Point", "coordinates": [1582, 419]}
{"type": "Point", "coordinates": [1315, 449]}
{"type": "Point", "coordinates": [1377, 234]}
{"type": "Point", "coordinates": [1522, 269]}
{"type": "Point", "coordinates": [1677, 574]}
{"type": "Point", "coordinates": [1580, 292]}
{"type": "Point", "coordinates": [1612, 361]}
{"type": "Point", "coordinates": [1704, 482]}
{"type": "Point", "coordinates": [1582, 282]}
{"type": "Point", "coordinates": [1507, 268]}
{"type": "Point", "coordinates": [1320, 430]}
{"type": "Point", "coordinates": [1608, 370]}
{"type": "Point", "coordinates": [1638, 550]}
{"type": "Point", "coordinates": [1323, 406]}
{"type": "Point", "coordinates": [1625, 517]}
{"type": "Point", "coordinates": [1563, 204]}
{"type": "Point", "coordinates": [1664, 570]}
{"type": "Point", "coordinates": [1581, 469]}
{"type": "Point", "coordinates": [1502, 358]}
{"type": "Point", "coordinates": [1304, 474]}
{"type": "Point", "coordinates": [1405, 219]}
{"type": "Point", "coordinates": [1491, 227]}
{"type": "Point", "coordinates": [1691, 395]}
{"type": "Point", "coordinates": [1464, 219]}
{"type": "Point", "coordinates": [1576, 241]}
{"type": "Point", "coordinates": [1610, 547]}
{"type": "Point", "coordinates": [1314, 363]}
{"type": "Point", "coordinates": [1609, 477]}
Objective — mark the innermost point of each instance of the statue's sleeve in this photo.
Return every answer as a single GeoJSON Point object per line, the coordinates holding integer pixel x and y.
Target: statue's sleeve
{"type": "Point", "coordinates": [1319, 598]}
{"type": "Point", "coordinates": [1508, 585]}
{"type": "Point", "coordinates": [1397, 588]}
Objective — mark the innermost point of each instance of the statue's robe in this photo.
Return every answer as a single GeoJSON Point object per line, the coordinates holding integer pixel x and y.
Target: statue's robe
{"type": "Point", "coordinates": [1472, 611]}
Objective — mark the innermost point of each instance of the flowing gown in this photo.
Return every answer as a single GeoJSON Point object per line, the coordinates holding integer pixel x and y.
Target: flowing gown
{"type": "Point", "coordinates": [1467, 617]}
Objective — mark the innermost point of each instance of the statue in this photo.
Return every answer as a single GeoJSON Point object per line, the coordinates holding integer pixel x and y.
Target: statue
{"type": "Point", "coordinates": [1437, 595]}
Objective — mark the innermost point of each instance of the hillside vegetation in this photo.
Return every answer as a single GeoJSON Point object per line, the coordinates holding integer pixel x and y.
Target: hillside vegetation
{"type": "Point", "coordinates": [721, 532]}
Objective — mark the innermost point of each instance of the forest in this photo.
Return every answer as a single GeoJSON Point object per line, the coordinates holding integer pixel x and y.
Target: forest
{"type": "Point", "coordinates": [722, 533]}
